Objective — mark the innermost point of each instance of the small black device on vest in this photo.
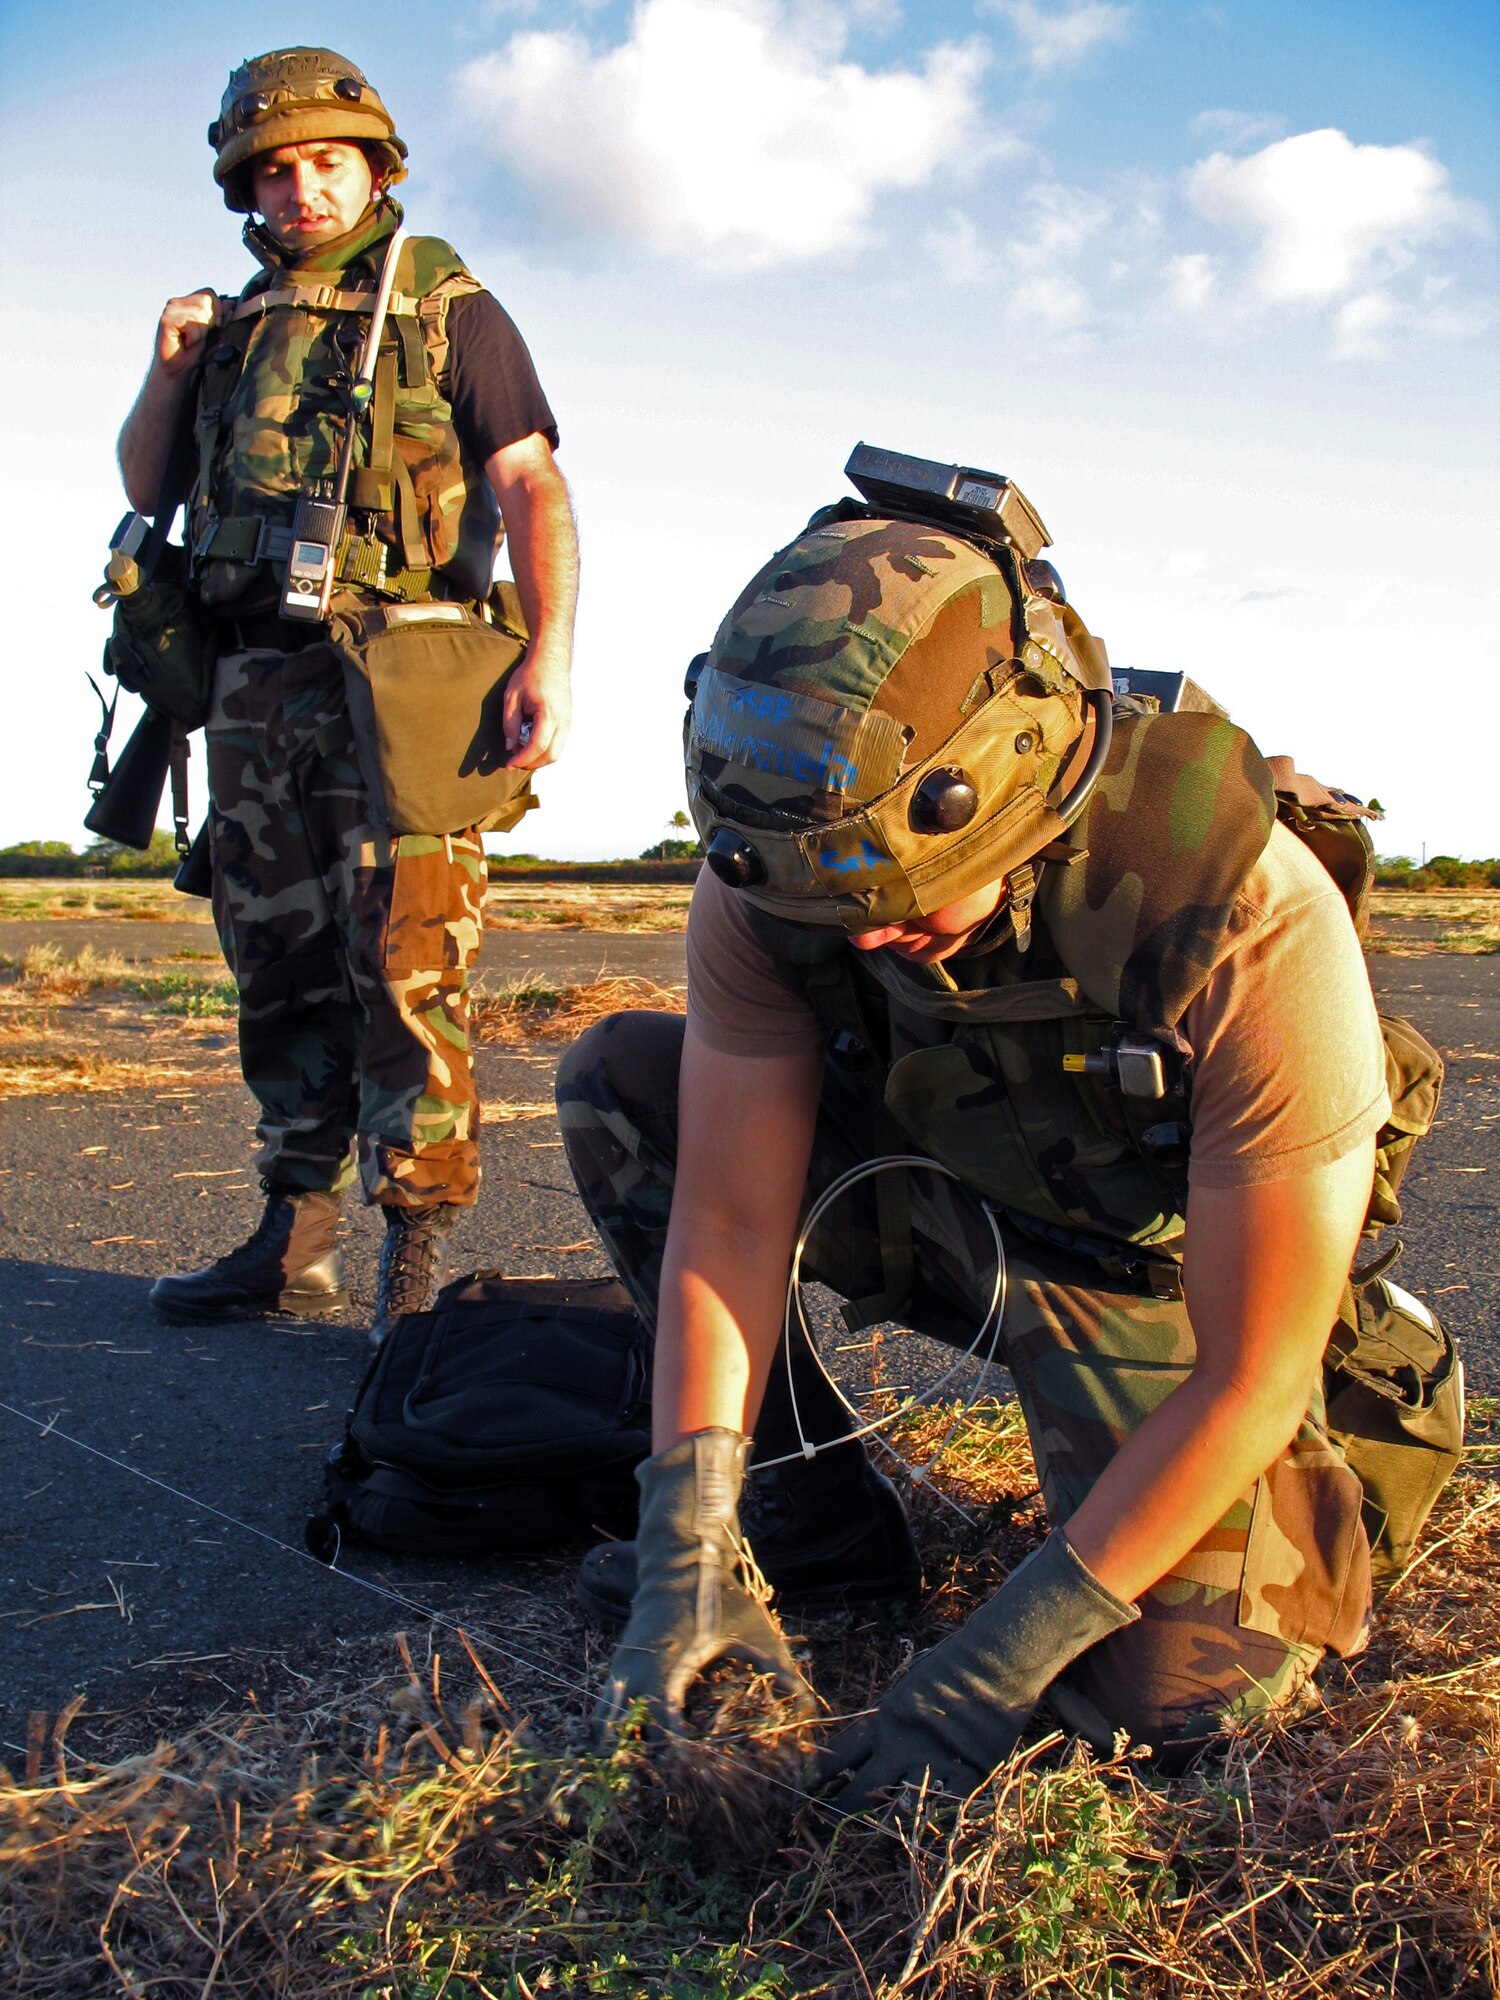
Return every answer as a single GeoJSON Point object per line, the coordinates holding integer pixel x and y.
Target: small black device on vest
{"type": "Point", "coordinates": [962, 495]}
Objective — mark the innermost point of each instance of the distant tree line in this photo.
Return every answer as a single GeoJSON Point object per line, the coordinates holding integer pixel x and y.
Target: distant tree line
{"type": "Point", "coordinates": [100, 857]}
{"type": "Point", "coordinates": [108, 858]}
{"type": "Point", "coordinates": [663, 861]}
{"type": "Point", "coordinates": [1441, 871]}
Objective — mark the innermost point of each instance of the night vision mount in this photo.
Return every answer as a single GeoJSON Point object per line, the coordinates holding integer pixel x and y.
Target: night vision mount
{"type": "Point", "coordinates": [960, 496]}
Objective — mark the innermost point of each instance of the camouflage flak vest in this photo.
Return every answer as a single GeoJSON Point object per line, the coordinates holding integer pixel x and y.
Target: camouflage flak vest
{"type": "Point", "coordinates": [271, 417]}
{"type": "Point", "coordinates": [1014, 1080]}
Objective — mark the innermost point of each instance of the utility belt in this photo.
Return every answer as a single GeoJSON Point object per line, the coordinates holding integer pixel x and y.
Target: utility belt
{"type": "Point", "coordinates": [362, 559]}
{"type": "Point", "coordinates": [266, 632]}
{"type": "Point", "coordinates": [1152, 1273]}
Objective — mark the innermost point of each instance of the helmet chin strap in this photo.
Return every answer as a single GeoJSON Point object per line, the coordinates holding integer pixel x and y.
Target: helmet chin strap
{"type": "Point", "coordinates": [269, 250]}
{"type": "Point", "coordinates": [1101, 701]}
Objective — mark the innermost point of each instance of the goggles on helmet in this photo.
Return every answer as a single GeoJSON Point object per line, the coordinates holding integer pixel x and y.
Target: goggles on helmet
{"type": "Point", "coordinates": [290, 97]}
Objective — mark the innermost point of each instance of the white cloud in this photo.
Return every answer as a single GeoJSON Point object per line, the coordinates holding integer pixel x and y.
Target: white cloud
{"type": "Point", "coordinates": [1329, 214]}
{"type": "Point", "coordinates": [1190, 281]}
{"type": "Point", "coordinates": [1063, 222]}
{"type": "Point", "coordinates": [1053, 37]}
{"type": "Point", "coordinates": [1053, 301]}
{"type": "Point", "coordinates": [1235, 128]}
{"type": "Point", "coordinates": [732, 133]}
{"type": "Point", "coordinates": [1360, 323]}
{"type": "Point", "coordinates": [958, 250]}
{"type": "Point", "coordinates": [877, 17]}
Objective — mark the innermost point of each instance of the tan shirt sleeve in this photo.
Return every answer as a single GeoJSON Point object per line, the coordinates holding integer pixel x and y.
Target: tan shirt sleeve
{"type": "Point", "coordinates": [737, 1002]}
{"type": "Point", "coordinates": [1288, 1060]}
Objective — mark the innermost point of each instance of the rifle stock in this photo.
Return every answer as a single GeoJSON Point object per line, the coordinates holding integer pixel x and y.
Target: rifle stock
{"type": "Point", "coordinates": [126, 805]}
{"type": "Point", "coordinates": [195, 872]}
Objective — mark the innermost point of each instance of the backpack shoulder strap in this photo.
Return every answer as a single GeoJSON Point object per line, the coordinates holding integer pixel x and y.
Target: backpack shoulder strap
{"type": "Point", "coordinates": [1331, 824]}
{"type": "Point", "coordinates": [432, 313]}
{"type": "Point", "coordinates": [432, 275]}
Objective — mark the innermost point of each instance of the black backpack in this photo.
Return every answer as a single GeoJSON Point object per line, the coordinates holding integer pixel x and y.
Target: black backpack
{"type": "Point", "coordinates": [509, 1418]}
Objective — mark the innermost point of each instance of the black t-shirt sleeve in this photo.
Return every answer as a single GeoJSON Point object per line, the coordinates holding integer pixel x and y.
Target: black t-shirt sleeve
{"type": "Point", "coordinates": [492, 384]}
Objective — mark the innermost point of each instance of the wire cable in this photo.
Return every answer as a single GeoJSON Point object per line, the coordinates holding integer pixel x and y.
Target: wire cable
{"type": "Point", "coordinates": [991, 1323]}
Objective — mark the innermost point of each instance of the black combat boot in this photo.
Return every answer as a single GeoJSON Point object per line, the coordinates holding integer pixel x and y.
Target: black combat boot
{"type": "Point", "coordinates": [825, 1531]}
{"type": "Point", "coordinates": [411, 1264]}
{"type": "Point", "coordinates": [291, 1264]}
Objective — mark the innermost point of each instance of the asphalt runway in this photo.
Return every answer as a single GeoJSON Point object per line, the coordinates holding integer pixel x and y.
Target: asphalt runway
{"type": "Point", "coordinates": [156, 1480]}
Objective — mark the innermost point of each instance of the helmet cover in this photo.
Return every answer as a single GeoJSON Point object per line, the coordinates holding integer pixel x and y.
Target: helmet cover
{"type": "Point", "coordinates": [881, 720]}
{"type": "Point", "coordinates": [290, 96]}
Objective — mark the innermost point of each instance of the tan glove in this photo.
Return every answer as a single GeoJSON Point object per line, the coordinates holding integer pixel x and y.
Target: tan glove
{"type": "Point", "coordinates": [693, 1604]}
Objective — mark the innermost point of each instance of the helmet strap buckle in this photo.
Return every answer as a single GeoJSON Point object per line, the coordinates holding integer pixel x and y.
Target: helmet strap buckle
{"type": "Point", "coordinates": [1021, 882]}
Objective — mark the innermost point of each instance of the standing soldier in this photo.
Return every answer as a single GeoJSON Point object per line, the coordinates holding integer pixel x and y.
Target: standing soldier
{"type": "Point", "coordinates": [963, 903]}
{"type": "Point", "coordinates": [350, 947]}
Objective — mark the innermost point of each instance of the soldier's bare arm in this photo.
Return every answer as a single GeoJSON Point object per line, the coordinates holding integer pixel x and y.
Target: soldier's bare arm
{"type": "Point", "coordinates": [745, 1128]}
{"type": "Point", "coordinates": [1264, 1269]}
{"type": "Point", "coordinates": [146, 437]}
{"type": "Point", "coordinates": [538, 515]}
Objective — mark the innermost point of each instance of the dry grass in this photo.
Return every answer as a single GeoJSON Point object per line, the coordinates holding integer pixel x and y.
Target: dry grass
{"type": "Point", "coordinates": [43, 976]}
{"type": "Point", "coordinates": [419, 1838]}
{"type": "Point", "coordinates": [100, 993]}
{"type": "Point", "coordinates": [152, 900]}
{"type": "Point", "coordinates": [43, 1075]}
{"type": "Point", "coordinates": [1401, 920]}
{"type": "Point", "coordinates": [514, 1014]}
{"type": "Point", "coordinates": [1412, 922]}
{"type": "Point", "coordinates": [39, 1057]}
{"type": "Point", "coordinates": [636, 909]}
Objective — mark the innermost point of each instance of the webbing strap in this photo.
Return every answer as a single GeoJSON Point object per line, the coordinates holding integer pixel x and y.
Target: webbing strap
{"type": "Point", "coordinates": [321, 298]}
{"type": "Point", "coordinates": [248, 538]}
{"type": "Point", "coordinates": [408, 517]}
{"type": "Point", "coordinates": [411, 337]}
{"type": "Point", "coordinates": [897, 1255]}
{"type": "Point", "coordinates": [383, 418]}
{"type": "Point", "coordinates": [1022, 882]}
{"type": "Point", "coordinates": [177, 764]}
{"type": "Point", "coordinates": [99, 775]}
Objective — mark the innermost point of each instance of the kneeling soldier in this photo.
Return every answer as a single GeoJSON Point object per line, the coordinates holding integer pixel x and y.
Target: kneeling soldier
{"type": "Point", "coordinates": [963, 901]}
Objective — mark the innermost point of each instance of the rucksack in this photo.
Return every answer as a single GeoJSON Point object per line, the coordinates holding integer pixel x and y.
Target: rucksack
{"type": "Point", "coordinates": [508, 1418]}
{"type": "Point", "coordinates": [1393, 1385]}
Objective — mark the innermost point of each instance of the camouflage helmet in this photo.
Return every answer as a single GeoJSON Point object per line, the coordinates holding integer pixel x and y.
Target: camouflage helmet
{"type": "Point", "coordinates": [884, 720]}
{"type": "Point", "coordinates": [287, 97]}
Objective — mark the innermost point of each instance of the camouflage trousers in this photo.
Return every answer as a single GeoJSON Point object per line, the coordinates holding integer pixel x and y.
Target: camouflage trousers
{"type": "Point", "coordinates": [1238, 1624]}
{"type": "Point", "coordinates": [351, 948]}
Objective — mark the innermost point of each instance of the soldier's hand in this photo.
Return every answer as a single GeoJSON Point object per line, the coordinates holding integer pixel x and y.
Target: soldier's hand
{"type": "Point", "coordinates": [959, 1710]}
{"type": "Point", "coordinates": [884, 1751]}
{"type": "Point", "coordinates": [184, 326]}
{"type": "Point", "coordinates": [538, 711]}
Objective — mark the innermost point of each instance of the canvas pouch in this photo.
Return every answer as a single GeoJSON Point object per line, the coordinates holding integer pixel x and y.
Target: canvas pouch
{"type": "Point", "coordinates": [425, 684]}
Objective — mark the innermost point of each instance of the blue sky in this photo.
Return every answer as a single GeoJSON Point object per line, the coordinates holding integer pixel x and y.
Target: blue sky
{"type": "Point", "coordinates": [1217, 284]}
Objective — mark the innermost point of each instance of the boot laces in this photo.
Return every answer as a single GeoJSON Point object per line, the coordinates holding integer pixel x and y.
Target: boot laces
{"type": "Point", "coordinates": [409, 1264]}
